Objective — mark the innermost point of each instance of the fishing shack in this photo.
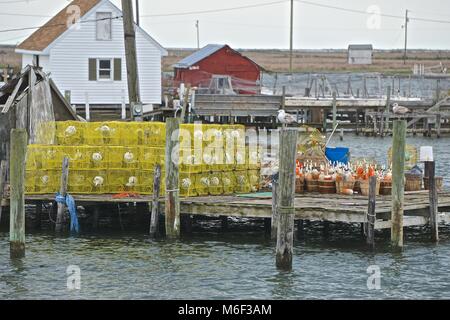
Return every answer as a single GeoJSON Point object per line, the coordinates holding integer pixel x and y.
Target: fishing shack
{"type": "Point", "coordinates": [28, 100]}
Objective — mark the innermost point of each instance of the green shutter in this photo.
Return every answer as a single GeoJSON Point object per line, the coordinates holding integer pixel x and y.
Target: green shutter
{"type": "Point", "coordinates": [92, 69]}
{"type": "Point", "coordinates": [118, 69]}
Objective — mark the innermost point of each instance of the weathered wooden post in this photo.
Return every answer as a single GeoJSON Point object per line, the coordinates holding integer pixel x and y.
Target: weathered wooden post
{"type": "Point", "coordinates": [334, 110]}
{"type": "Point", "coordinates": [19, 140]}
{"type": "Point", "coordinates": [388, 109]}
{"type": "Point", "coordinates": [324, 120]}
{"type": "Point", "coordinates": [185, 103]}
{"type": "Point", "coordinates": [172, 208]}
{"type": "Point", "coordinates": [2, 185]}
{"type": "Point", "coordinates": [430, 167]}
{"type": "Point", "coordinates": [274, 207]}
{"type": "Point", "coordinates": [398, 182]}
{"type": "Point", "coordinates": [123, 114]}
{"type": "Point", "coordinates": [425, 126]}
{"type": "Point", "coordinates": [438, 125]}
{"type": "Point", "coordinates": [87, 108]}
{"type": "Point", "coordinates": [62, 192]}
{"type": "Point", "coordinates": [154, 219]}
{"type": "Point", "coordinates": [371, 214]}
{"type": "Point", "coordinates": [286, 203]}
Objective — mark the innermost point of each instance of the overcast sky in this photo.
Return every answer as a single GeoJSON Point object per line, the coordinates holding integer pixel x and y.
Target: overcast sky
{"type": "Point", "coordinates": [266, 26]}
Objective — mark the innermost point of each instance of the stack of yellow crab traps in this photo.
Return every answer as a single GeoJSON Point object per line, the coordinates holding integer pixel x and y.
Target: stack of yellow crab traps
{"type": "Point", "coordinates": [120, 157]}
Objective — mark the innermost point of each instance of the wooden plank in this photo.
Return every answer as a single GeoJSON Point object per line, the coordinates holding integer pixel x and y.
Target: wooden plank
{"type": "Point", "coordinates": [17, 206]}
{"type": "Point", "coordinates": [130, 53]}
{"type": "Point", "coordinates": [334, 110]}
{"type": "Point", "coordinates": [371, 215]}
{"type": "Point", "coordinates": [154, 220]}
{"type": "Point", "coordinates": [433, 209]}
{"type": "Point", "coordinates": [388, 109]}
{"type": "Point", "coordinates": [398, 182]}
{"type": "Point", "coordinates": [62, 192]}
{"type": "Point", "coordinates": [12, 97]}
{"type": "Point", "coordinates": [2, 185]}
{"type": "Point", "coordinates": [274, 225]}
{"type": "Point", "coordinates": [185, 103]}
{"type": "Point", "coordinates": [172, 208]}
{"type": "Point", "coordinates": [286, 203]}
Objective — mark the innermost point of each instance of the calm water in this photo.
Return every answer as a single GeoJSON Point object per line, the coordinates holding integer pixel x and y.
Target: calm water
{"type": "Point", "coordinates": [236, 264]}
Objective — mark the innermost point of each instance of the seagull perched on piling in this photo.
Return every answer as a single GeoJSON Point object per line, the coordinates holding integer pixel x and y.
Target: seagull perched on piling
{"type": "Point", "coordinates": [286, 118]}
{"type": "Point", "coordinates": [400, 110]}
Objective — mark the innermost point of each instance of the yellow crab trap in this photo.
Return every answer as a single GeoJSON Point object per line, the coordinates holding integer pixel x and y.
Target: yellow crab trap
{"type": "Point", "coordinates": [253, 160]}
{"type": "Point", "coordinates": [242, 182]}
{"type": "Point", "coordinates": [187, 185]}
{"type": "Point", "coordinates": [191, 136]}
{"type": "Point", "coordinates": [149, 157]}
{"type": "Point", "coordinates": [143, 134]}
{"type": "Point", "coordinates": [70, 133]}
{"type": "Point", "coordinates": [122, 157]}
{"type": "Point", "coordinates": [228, 182]}
{"type": "Point", "coordinates": [213, 136]}
{"type": "Point", "coordinates": [147, 180]}
{"type": "Point", "coordinates": [241, 159]}
{"type": "Point", "coordinates": [44, 157]}
{"type": "Point", "coordinates": [254, 179]}
{"type": "Point", "coordinates": [202, 184]}
{"type": "Point", "coordinates": [47, 181]}
{"type": "Point", "coordinates": [215, 184]}
{"type": "Point", "coordinates": [30, 182]}
{"type": "Point", "coordinates": [122, 180]}
{"type": "Point", "coordinates": [234, 136]}
{"type": "Point", "coordinates": [103, 133]}
{"type": "Point", "coordinates": [190, 160]}
{"type": "Point", "coordinates": [79, 181]}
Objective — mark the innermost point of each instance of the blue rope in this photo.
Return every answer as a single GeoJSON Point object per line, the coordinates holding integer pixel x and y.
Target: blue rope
{"type": "Point", "coordinates": [69, 201]}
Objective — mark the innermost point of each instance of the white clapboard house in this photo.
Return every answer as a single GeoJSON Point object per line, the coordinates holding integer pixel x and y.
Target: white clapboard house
{"type": "Point", "coordinates": [87, 60]}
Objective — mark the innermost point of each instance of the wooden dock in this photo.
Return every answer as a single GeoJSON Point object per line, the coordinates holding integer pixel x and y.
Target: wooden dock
{"type": "Point", "coordinates": [308, 207]}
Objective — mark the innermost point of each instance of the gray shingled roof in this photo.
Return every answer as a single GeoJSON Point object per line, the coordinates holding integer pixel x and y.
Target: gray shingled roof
{"type": "Point", "coordinates": [360, 47]}
{"type": "Point", "coordinates": [199, 55]}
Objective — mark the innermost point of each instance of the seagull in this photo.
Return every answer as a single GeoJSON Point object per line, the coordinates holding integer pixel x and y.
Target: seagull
{"type": "Point", "coordinates": [286, 118]}
{"type": "Point", "coordinates": [400, 110]}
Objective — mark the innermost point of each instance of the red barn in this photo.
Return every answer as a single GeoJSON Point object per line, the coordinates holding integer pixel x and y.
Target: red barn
{"type": "Point", "coordinates": [219, 60]}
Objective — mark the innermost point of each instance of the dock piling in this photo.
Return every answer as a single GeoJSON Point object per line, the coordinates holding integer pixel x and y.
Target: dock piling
{"type": "Point", "coordinates": [154, 219]}
{"type": "Point", "coordinates": [286, 209]}
{"type": "Point", "coordinates": [2, 185]}
{"type": "Point", "coordinates": [63, 192]}
{"type": "Point", "coordinates": [334, 110]}
{"type": "Point", "coordinates": [431, 174]}
{"type": "Point", "coordinates": [172, 208]}
{"type": "Point", "coordinates": [19, 140]}
{"type": "Point", "coordinates": [438, 125]}
{"type": "Point", "coordinates": [274, 209]}
{"type": "Point", "coordinates": [398, 182]}
{"type": "Point", "coordinates": [388, 109]}
{"type": "Point", "coordinates": [371, 214]}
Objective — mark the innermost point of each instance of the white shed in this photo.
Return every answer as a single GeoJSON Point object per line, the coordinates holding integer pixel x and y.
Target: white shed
{"type": "Point", "coordinates": [360, 54]}
{"type": "Point", "coordinates": [88, 58]}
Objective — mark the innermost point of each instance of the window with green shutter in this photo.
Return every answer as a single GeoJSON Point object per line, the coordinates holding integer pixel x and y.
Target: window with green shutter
{"type": "Point", "coordinates": [117, 69]}
{"type": "Point", "coordinates": [105, 69]}
{"type": "Point", "coordinates": [92, 69]}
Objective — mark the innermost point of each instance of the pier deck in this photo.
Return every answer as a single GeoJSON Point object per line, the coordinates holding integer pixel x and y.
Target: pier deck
{"type": "Point", "coordinates": [309, 207]}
